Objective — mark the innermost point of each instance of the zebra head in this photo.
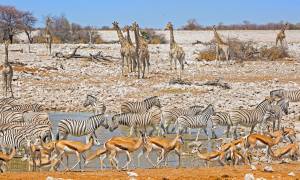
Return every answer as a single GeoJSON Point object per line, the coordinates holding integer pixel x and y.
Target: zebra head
{"type": "Point", "coordinates": [114, 122]}
{"type": "Point", "coordinates": [90, 101]}
{"type": "Point", "coordinates": [277, 92]}
{"type": "Point", "coordinates": [153, 101]}
{"type": "Point", "coordinates": [209, 109]}
{"type": "Point", "coordinates": [284, 105]}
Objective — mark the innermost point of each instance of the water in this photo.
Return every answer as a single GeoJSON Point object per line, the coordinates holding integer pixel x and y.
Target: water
{"type": "Point", "coordinates": [104, 134]}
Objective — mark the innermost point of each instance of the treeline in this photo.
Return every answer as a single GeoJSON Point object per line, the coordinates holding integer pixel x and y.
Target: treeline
{"type": "Point", "coordinates": [192, 24]}
{"type": "Point", "coordinates": [14, 21]}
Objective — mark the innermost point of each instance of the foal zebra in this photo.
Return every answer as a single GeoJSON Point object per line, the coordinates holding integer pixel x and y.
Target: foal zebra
{"type": "Point", "coordinates": [139, 107]}
{"type": "Point", "coordinates": [277, 111]}
{"type": "Point", "coordinates": [99, 108]}
{"type": "Point", "coordinates": [81, 127]}
{"type": "Point", "coordinates": [222, 119]}
{"type": "Point", "coordinates": [199, 121]}
{"type": "Point", "coordinates": [138, 120]}
{"type": "Point", "coordinates": [292, 95]}
{"type": "Point", "coordinates": [171, 115]}
{"type": "Point", "coordinates": [249, 118]}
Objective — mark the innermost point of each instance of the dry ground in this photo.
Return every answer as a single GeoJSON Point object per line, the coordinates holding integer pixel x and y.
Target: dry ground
{"type": "Point", "coordinates": [280, 172]}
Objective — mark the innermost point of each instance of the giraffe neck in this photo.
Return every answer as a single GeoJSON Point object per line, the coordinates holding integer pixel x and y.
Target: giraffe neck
{"type": "Point", "coordinates": [120, 35]}
{"type": "Point", "coordinates": [137, 37]}
{"type": "Point", "coordinates": [128, 36]}
{"type": "Point", "coordinates": [172, 40]}
{"type": "Point", "coordinates": [218, 38]}
{"type": "Point", "coordinates": [6, 56]}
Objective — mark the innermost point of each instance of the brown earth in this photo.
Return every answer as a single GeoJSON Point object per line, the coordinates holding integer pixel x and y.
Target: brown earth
{"type": "Point", "coordinates": [281, 171]}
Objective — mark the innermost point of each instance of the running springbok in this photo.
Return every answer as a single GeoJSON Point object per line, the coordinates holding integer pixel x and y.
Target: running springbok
{"type": "Point", "coordinates": [5, 158]}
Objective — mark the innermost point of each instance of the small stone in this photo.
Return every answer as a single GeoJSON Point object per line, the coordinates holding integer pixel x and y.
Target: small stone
{"type": "Point", "coordinates": [291, 174]}
{"type": "Point", "coordinates": [253, 167]}
{"type": "Point", "coordinates": [249, 176]}
{"type": "Point", "coordinates": [268, 169]}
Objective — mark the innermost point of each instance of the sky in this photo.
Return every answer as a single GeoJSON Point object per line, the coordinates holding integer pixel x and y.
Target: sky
{"type": "Point", "coordinates": [156, 13]}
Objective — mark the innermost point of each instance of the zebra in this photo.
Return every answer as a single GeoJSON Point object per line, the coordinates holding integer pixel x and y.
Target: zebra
{"type": "Point", "coordinates": [37, 118]}
{"type": "Point", "coordinates": [12, 138]}
{"type": "Point", "coordinates": [222, 119]}
{"type": "Point", "coordinates": [5, 107]}
{"type": "Point", "coordinates": [199, 121]}
{"type": "Point", "coordinates": [171, 115]}
{"type": "Point", "coordinates": [27, 107]}
{"type": "Point", "coordinates": [277, 111]}
{"type": "Point", "coordinates": [8, 100]}
{"type": "Point", "coordinates": [138, 120]}
{"type": "Point", "coordinates": [139, 107]}
{"type": "Point", "coordinates": [13, 125]}
{"type": "Point", "coordinates": [292, 95]}
{"type": "Point", "coordinates": [99, 108]}
{"type": "Point", "coordinates": [10, 116]}
{"type": "Point", "coordinates": [249, 118]}
{"type": "Point", "coordinates": [81, 127]}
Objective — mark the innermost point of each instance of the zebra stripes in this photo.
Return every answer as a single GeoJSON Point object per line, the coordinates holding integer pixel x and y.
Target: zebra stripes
{"type": "Point", "coordinates": [37, 118]}
{"type": "Point", "coordinates": [10, 116]}
{"type": "Point", "coordinates": [249, 118]}
{"type": "Point", "coordinates": [81, 127]}
{"type": "Point", "coordinates": [9, 100]}
{"type": "Point", "coordinates": [292, 95]}
{"type": "Point", "coordinates": [172, 115]}
{"type": "Point", "coordinates": [198, 121]}
{"type": "Point", "coordinates": [138, 120]}
{"type": "Point", "coordinates": [277, 111]}
{"type": "Point", "coordinates": [139, 107]}
{"type": "Point", "coordinates": [27, 107]}
{"type": "Point", "coordinates": [12, 138]}
{"type": "Point", "coordinates": [99, 108]}
{"type": "Point", "coordinates": [222, 119]}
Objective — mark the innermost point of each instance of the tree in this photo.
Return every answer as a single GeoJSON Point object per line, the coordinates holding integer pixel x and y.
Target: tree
{"type": "Point", "coordinates": [10, 21]}
{"type": "Point", "coordinates": [28, 21]}
{"type": "Point", "coordinates": [192, 24]}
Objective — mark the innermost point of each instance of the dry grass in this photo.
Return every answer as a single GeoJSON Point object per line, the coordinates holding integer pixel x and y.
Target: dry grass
{"type": "Point", "coordinates": [208, 55]}
{"type": "Point", "coordinates": [273, 53]}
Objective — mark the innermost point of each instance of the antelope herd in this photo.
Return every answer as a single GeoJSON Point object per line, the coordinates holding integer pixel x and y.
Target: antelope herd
{"type": "Point", "coordinates": [27, 131]}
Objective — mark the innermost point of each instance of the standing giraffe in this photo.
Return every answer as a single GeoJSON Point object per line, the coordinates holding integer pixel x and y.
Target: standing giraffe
{"type": "Point", "coordinates": [48, 34]}
{"type": "Point", "coordinates": [127, 51]}
{"type": "Point", "coordinates": [281, 35]}
{"type": "Point", "coordinates": [220, 45]}
{"type": "Point", "coordinates": [7, 73]}
{"type": "Point", "coordinates": [126, 30]}
{"type": "Point", "coordinates": [176, 52]}
{"type": "Point", "coordinates": [141, 50]}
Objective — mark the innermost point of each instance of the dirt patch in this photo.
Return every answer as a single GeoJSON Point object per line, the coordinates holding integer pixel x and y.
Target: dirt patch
{"type": "Point", "coordinates": [280, 172]}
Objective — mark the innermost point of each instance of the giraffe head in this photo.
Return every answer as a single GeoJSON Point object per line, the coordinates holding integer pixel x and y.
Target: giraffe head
{"type": "Point", "coordinates": [134, 26]}
{"type": "Point", "coordinates": [214, 28]}
{"type": "Point", "coordinates": [126, 28]}
{"type": "Point", "coordinates": [49, 21]}
{"type": "Point", "coordinates": [169, 26]}
{"type": "Point", "coordinates": [115, 25]}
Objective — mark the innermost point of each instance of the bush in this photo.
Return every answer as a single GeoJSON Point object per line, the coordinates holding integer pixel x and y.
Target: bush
{"type": "Point", "coordinates": [152, 37]}
{"type": "Point", "coordinates": [208, 55]}
{"type": "Point", "coordinates": [273, 53]}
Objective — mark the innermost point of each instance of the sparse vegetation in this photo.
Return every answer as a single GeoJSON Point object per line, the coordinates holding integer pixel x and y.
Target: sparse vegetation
{"type": "Point", "coordinates": [152, 37]}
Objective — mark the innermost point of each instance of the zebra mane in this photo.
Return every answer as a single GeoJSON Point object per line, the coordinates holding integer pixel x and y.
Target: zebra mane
{"type": "Point", "coordinates": [210, 105]}
{"type": "Point", "coordinates": [150, 98]}
{"type": "Point", "coordinates": [262, 102]}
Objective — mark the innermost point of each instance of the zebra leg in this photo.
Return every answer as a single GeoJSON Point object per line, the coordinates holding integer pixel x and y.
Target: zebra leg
{"type": "Point", "coordinates": [252, 129]}
{"type": "Point", "coordinates": [131, 131]}
{"type": "Point", "coordinates": [205, 131]}
{"type": "Point", "coordinates": [228, 130]}
{"type": "Point", "coordinates": [197, 134]}
{"type": "Point", "coordinates": [278, 127]}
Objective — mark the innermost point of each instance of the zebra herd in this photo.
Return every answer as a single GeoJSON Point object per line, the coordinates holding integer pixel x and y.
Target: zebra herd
{"type": "Point", "coordinates": [24, 125]}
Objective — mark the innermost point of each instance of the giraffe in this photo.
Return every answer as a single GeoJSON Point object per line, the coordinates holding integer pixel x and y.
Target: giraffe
{"type": "Point", "coordinates": [127, 51]}
{"type": "Point", "coordinates": [141, 50]}
{"type": "Point", "coordinates": [7, 73]}
{"type": "Point", "coordinates": [220, 45]}
{"type": "Point", "coordinates": [176, 52]}
{"type": "Point", "coordinates": [48, 34]}
{"type": "Point", "coordinates": [281, 35]}
{"type": "Point", "coordinates": [126, 30]}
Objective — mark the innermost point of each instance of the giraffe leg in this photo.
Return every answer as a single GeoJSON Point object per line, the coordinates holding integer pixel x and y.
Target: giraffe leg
{"type": "Point", "coordinates": [171, 60]}
{"type": "Point", "coordinates": [10, 84]}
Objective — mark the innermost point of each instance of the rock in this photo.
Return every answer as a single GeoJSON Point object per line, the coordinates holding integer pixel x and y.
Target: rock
{"type": "Point", "coordinates": [253, 167]}
{"type": "Point", "coordinates": [291, 174]}
{"type": "Point", "coordinates": [249, 176]}
{"type": "Point", "coordinates": [268, 169]}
